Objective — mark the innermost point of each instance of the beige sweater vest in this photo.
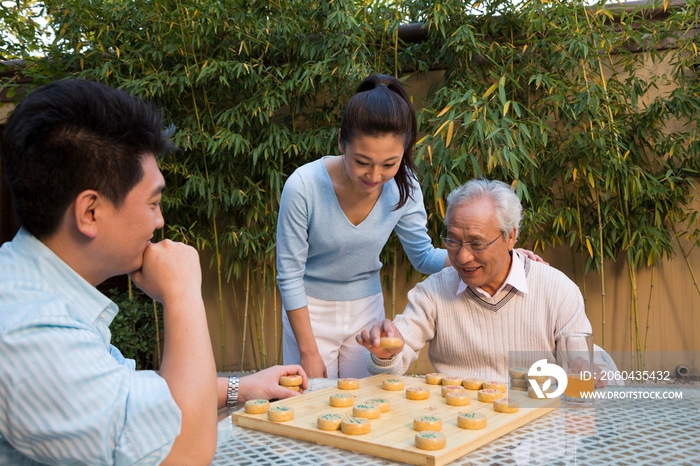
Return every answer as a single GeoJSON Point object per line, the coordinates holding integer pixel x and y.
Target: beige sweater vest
{"type": "Point", "coordinates": [474, 336]}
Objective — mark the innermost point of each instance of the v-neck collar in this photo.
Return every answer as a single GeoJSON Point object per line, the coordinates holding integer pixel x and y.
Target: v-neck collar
{"type": "Point", "coordinates": [337, 201]}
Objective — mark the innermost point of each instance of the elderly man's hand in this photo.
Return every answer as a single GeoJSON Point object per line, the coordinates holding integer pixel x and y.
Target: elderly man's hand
{"type": "Point", "coordinates": [371, 339]}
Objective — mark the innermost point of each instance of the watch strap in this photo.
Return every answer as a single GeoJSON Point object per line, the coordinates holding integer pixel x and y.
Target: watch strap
{"type": "Point", "coordinates": [232, 395]}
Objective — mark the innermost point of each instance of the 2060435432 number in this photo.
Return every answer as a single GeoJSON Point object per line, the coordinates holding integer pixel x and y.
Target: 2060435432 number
{"type": "Point", "coordinates": [636, 376]}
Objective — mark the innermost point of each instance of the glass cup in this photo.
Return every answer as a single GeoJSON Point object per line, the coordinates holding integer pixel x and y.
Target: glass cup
{"type": "Point", "coordinates": [575, 356]}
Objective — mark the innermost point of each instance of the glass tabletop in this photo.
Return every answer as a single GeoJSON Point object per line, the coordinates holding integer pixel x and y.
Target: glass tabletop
{"type": "Point", "coordinates": [633, 426]}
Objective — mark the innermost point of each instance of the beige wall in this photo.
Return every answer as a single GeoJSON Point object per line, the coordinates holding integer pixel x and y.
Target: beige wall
{"type": "Point", "coordinates": [669, 307]}
{"type": "Point", "coordinates": [5, 109]}
{"type": "Point", "coordinates": [674, 314]}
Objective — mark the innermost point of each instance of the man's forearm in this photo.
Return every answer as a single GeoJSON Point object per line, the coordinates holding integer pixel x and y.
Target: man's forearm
{"type": "Point", "coordinates": [190, 371]}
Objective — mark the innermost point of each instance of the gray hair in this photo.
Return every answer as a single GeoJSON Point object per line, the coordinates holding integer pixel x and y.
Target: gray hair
{"type": "Point", "coordinates": [508, 210]}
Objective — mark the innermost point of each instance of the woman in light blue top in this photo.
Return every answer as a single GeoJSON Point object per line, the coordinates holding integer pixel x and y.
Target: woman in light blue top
{"type": "Point", "coordinates": [336, 215]}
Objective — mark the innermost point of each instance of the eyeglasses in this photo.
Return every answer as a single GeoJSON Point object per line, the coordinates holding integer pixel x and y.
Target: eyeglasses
{"type": "Point", "coordinates": [472, 246]}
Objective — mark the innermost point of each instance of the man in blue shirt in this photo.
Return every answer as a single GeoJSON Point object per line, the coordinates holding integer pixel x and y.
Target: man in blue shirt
{"type": "Point", "coordinates": [80, 163]}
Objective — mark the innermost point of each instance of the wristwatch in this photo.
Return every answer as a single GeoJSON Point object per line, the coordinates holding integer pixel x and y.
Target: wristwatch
{"type": "Point", "coordinates": [232, 397]}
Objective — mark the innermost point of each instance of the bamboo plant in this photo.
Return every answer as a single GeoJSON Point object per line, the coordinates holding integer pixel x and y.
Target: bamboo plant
{"type": "Point", "coordinates": [558, 99]}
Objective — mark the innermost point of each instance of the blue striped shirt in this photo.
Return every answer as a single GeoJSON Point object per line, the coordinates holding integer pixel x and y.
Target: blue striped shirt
{"type": "Point", "coordinates": [66, 395]}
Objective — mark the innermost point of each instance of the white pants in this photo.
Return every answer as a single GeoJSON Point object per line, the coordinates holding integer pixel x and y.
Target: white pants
{"type": "Point", "coordinates": [335, 325]}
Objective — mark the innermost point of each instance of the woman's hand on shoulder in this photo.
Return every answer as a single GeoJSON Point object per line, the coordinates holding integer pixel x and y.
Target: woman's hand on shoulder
{"type": "Point", "coordinates": [531, 255]}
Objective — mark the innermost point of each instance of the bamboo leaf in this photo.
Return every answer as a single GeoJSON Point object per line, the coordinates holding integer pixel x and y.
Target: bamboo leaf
{"type": "Point", "coordinates": [449, 134]}
{"type": "Point", "coordinates": [490, 90]}
{"type": "Point", "coordinates": [444, 110]}
{"type": "Point", "coordinates": [502, 90]}
{"type": "Point", "coordinates": [441, 127]}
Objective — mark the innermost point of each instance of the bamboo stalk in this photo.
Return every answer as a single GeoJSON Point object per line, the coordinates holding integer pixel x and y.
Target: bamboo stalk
{"type": "Point", "coordinates": [583, 262]}
{"type": "Point", "coordinates": [635, 333]}
{"type": "Point", "coordinates": [651, 290]}
{"type": "Point", "coordinates": [278, 339]}
{"type": "Point", "coordinates": [239, 325]}
{"type": "Point", "coordinates": [206, 174]}
{"type": "Point", "coordinates": [685, 257]}
{"type": "Point", "coordinates": [221, 297]}
{"type": "Point", "coordinates": [595, 191]}
{"type": "Point", "coordinates": [254, 332]}
{"type": "Point", "coordinates": [634, 311]}
{"type": "Point", "coordinates": [261, 329]}
{"type": "Point", "coordinates": [602, 265]}
{"type": "Point", "coordinates": [255, 325]}
{"type": "Point", "coordinates": [396, 44]}
{"type": "Point", "coordinates": [245, 313]}
{"type": "Point", "coordinates": [236, 314]}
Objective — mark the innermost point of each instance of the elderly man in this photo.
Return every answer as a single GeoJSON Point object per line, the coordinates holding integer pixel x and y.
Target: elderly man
{"type": "Point", "coordinates": [492, 300]}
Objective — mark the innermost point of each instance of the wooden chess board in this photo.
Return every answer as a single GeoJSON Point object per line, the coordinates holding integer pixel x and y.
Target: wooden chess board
{"type": "Point", "coordinates": [392, 435]}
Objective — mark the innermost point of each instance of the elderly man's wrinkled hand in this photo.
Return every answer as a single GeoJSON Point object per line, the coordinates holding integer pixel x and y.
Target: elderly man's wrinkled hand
{"type": "Point", "coordinates": [371, 339]}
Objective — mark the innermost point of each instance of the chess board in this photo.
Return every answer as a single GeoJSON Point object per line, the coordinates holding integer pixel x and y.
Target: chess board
{"type": "Point", "coordinates": [392, 435]}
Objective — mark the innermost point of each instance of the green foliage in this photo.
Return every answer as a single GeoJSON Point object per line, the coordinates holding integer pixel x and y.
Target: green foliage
{"type": "Point", "coordinates": [564, 101]}
{"type": "Point", "coordinates": [255, 89]}
{"type": "Point", "coordinates": [134, 328]}
{"type": "Point", "coordinates": [559, 100]}
{"type": "Point", "coordinates": [22, 29]}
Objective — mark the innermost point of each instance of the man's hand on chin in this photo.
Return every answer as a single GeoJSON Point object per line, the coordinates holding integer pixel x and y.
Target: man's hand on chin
{"type": "Point", "coordinates": [170, 270]}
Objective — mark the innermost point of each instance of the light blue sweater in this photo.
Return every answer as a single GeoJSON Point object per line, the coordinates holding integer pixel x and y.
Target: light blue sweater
{"type": "Point", "coordinates": [320, 253]}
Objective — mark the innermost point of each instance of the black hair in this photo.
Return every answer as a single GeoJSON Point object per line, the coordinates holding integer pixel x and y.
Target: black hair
{"type": "Point", "coordinates": [73, 135]}
{"type": "Point", "coordinates": [381, 106]}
